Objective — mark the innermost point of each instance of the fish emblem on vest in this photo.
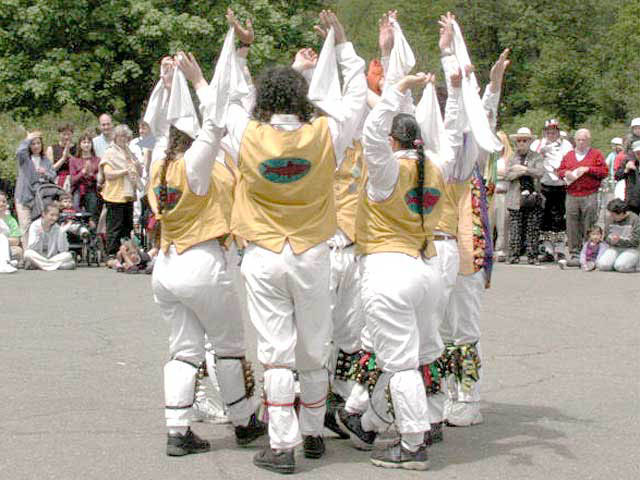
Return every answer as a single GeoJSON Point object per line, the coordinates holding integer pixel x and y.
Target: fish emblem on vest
{"type": "Point", "coordinates": [172, 196]}
{"type": "Point", "coordinates": [429, 198]}
{"type": "Point", "coordinates": [284, 170]}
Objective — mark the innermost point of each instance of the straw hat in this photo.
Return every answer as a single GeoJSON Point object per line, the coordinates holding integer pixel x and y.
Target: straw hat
{"type": "Point", "coordinates": [523, 132]}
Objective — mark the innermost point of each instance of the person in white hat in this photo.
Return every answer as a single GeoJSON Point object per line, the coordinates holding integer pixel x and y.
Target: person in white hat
{"type": "Point", "coordinates": [616, 148]}
{"type": "Point", "coordinates": [553, 146]}
{"type": "Point", "coordinates": [633, 135]}
{"type": "Point", "coordinates": [524, 201]}
{"type": "Point", "coordinates": [628, 172]}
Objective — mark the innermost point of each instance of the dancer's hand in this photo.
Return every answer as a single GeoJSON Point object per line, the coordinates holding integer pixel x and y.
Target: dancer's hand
{"type": "Point", "coordinates": [306, 58]}
{"type": "Point", "coordinates": [244, 33]}
{"type": "Point", "coordinates": [385, 33]}
{"type": "Point", "coordinates": [446, 32]}
{"type": "Point", "coordinates": [328, 20]}
{"type": "Point", "coordinates": [191, 69]}
{"type": "Point", "coordinates": [498, 69]}
{"type": "Point", "coordinates": [412, 81]}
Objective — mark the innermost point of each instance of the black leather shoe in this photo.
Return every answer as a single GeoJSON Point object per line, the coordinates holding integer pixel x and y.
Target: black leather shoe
{"type": "Point", "coordinates": [179, 445]}
{"type": "Point", "coordinates": [396, 456]}
{"type": "Point", "coordinates": [353, 422]}
{"type": "Point", "coordinates": [313, 446]}
{"type": "Point", "coordinates": [282, 462]}
{"type": "Point", "coordinates": [435, 435]}
{"type": "Point", "coordinates": [331, 423]}
{"type": "Point", "coordinates": [254, 429]}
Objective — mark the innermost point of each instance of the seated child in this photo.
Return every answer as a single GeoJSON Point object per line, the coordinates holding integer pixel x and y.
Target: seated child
{"type": "Point", "coordinates": [592, 250]}
{"type": "Point", "coordinates": [622, 233]}
{"type": "Point", "coordinates": [70, 222]}
{"type": "Point", "coordinates": [47, 247]}
{"type": "Point", "coordinates": [130, 258]}
{"type": "Point", "coordinates": [10, 251]}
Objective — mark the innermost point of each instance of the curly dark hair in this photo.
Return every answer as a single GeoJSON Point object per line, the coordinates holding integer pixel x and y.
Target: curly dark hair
{"type": "Point", "coordinates": [282, 90]}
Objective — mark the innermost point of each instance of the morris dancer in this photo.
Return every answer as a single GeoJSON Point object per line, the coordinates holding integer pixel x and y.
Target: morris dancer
{"type": "Point", "coordinates": [284, 207]}
{"type": "Point", "coordinates": [191, 281]}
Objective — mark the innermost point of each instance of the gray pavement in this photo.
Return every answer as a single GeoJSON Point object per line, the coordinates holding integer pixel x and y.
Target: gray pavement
{"type": "Point", "coordinates": [82, 355]}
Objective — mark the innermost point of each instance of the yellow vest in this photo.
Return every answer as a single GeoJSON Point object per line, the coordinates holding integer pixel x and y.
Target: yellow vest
{"type": "Point", "coordinates": [448, 223]}
{"type": "Point", "coordinates": [284, 191]}
{"type": "Point", "coordinates": [350, 180]}
{"type": "Point", "coordinates": [393, 225]}
{"type": "Point", "coordinates": [188, 219]}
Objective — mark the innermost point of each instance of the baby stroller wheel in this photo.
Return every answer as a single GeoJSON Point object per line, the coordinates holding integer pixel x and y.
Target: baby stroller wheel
{"type": "Point", "coordinates": [85, 254]}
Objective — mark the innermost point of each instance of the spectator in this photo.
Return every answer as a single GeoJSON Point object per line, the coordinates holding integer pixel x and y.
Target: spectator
{"type": "Point", "coordinates": [616, 148]}
{"type": "Point", "coordinates": [122, 177]}
{"type": "Point", "coordinates": [60, 154]}
{"type": "Point", "coordinates": [9, 233]}
{"type": "Point", "coordinates": [583, 170]}
{"type": "Point", "coordinates": [84, 171]}
{"type": "Point", "coordinates": [592, 251]}
{"type": "Point", "coordinates": [523, 200]}
{"type": "Point", "coordinates": [623, 236]}
{"type": "Point", "coordinates": [141, 147]}
{"type": "Point", "coordinates": [633, 135]}
{"type": "Point", "coordinates": [102, 141]}
{"type": "Point", "coordinates": [48, 248]}
{"type": "Point", "coordinates": [629, 173]}
{"type": "Point", "coordinates": [70, 224]}
{"type": "Point", "coordinates": [33, 168]}
{"type": "Point", "coordinates": [499, 216]}
{"type": "Point", "coordinates": [553, 147]}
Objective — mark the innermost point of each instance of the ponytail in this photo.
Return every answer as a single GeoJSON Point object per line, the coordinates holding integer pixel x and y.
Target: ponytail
{"type": "Point", "coordinates": [179, 142]}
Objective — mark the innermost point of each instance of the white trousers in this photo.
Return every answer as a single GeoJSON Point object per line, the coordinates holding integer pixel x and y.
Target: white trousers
{"type": "Point", "coordinates": [462, 320]}
{"type": "Point", "coordinates": [196, 295]}
{"type": "Point", "coordinates": [399, 296]}
{"type": "Point", "coordinates": [289, 305]}
{"type": "Point", "coordinates": [63, 260]}
{"type": "Point", "coordinates": [348, 321]}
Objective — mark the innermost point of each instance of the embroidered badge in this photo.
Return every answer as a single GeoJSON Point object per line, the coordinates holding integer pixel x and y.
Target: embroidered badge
{"type": "Point", "coordinates": [430, 197]}
{"type": "Point", "coordinates": [172, 196]}
{"type": "Point", "coordinates": [284, 170]}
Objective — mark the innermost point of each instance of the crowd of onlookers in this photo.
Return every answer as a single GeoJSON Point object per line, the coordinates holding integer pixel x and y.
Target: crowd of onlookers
{"type": "Point", "coordinates": [556, 199]}
{"type": "Point", "coordinates": [559, 199]}
{"type": "Point", "coordinates": [80, 200]}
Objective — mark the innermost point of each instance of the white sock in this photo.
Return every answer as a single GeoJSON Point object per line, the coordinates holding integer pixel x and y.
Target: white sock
{"type": "Point", "coordinates": [412, 441]}
{"type": "Point", "coordinates": [178, 430]}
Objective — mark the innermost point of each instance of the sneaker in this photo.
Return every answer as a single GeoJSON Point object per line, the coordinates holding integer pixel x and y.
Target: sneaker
{"type": "Point", "coordinates": [179, 445]}
{"type": "Point", "coordinates": [282, 462]}
{"type": "Point", "coordinates": [331, 423]}
{"type": "Point", "coordinates": [514, 260]}
{"type": "Point", "coordinates": [205, 411]}
{"type": "Point", "coordinates": [254, 429]}
{"type": "Point", "coordinates": [435, 435]}
{"type": "Point", "coordinates": [562, 264]}
{"type": "Point", "coordinates": [313, 446]}
{"type": "Point", "coordinates": [396, 456]}
{"type": "Point", "coordinates": [464, 414]}
{"type": "Point", "coordinates": [353, 422]}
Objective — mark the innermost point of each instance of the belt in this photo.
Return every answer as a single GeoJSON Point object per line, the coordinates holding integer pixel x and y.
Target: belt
{"type": "Point", "coordinates": [444, 236]}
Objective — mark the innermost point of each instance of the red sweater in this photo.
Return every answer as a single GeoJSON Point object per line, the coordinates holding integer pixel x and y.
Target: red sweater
{"type": "Point", "coordinates": [589, 182]}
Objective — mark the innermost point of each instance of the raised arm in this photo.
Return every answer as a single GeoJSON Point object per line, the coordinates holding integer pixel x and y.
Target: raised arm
{"type": "Point", "coordinates": [200, 156]}
{"type": "Point", "coordinates": [381, 164]}
{"type": "Point", "coordinates": [354, 90]}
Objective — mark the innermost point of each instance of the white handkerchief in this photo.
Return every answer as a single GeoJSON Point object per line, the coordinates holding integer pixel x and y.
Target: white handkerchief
{"type": "Point", "coordinates": [154, 114]}
{"type": "Point", "coordinates": [476, 116]}
{"type": "Point", "coordinates": [227, 77]}
{"type": "Point", "coordinates": [180, 112]}
{"type": "Point", "coordinates": [429, 117]}
{"type": "Point", "coordinates": [324, 89]}
{"type": "Point", "coordinates": [401, 60]}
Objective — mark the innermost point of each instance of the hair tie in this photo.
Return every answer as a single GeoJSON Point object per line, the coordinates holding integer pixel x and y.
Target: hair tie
{"type": "Point", "coordinates": [418, 142]}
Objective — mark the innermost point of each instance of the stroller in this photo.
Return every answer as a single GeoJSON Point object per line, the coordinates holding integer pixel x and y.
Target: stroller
{"type": "Point", "coordinates": [84, 242]}
{"type": "Point", "coordinates": [46, 193]}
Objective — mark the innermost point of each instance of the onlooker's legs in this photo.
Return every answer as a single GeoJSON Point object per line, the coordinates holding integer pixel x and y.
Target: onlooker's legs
{"type": "Point", "coordinates": [532, 231]}
{"type": "Point", "coordinates": [24, 220]}
{"type": "Point", "coordinates": [589, 210]}
{"type": "Point", "coordinates": [574, 224]}
{"type": "Point", "coordinates": [515, 234]}
{"type": "Point", "coordinates": [627, 261]}
{"type": "Point", "coordinates": [607, 260]}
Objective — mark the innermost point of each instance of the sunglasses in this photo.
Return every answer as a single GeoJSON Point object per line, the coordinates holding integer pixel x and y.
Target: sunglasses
{"type": "Point", "coordinates": [522, 140]}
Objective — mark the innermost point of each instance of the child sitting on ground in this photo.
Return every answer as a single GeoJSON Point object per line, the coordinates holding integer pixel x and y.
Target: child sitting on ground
{"type": "Point", "coordinates": [591, 252]}
{"type": "Point", "coordinates": [47, 247]}
{"type": "Point", "coordinates": [9, 238]}
{"type": "Point", "coordinates": [130, 258]}
{"type": "Point", "coordinates": [623, 236]}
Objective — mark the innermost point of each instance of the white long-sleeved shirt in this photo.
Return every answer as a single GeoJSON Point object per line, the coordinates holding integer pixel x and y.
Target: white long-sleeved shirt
{"type": "Point", "coordinates": [381, 161]}
{"type": "Point", "coordinates": [342, 133]}
{"type": "Point", "coordinates": [552, 156]}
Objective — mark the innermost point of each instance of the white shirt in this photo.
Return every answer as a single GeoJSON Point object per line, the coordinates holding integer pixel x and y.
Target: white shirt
{"type": "Point", "coordinates": [355, 86]}
{"type": "Point", "coordinates": [48, 243]}
{"type": "Point", "coordinates": [552, 156]}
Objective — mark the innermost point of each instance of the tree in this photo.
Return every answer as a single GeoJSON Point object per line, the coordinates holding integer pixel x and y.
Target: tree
{"type": "Point", "coordinates": [102, 56]}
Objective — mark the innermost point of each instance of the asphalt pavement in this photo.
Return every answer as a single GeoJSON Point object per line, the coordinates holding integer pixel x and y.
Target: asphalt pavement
{"type": "Point", "coordinates": [82, 354]}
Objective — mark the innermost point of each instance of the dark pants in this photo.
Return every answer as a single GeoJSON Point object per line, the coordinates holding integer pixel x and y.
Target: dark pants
{"type": "Point", "coordinates": [554, 209]}
{"type": "Point", "coordinates": [119, 224]}
{"type": "Point", "coordinates": [87, 202]}
{"type": "Point", "coordinates": [582, 214]}
{"type": "Point", "coordinates": [524, 224]}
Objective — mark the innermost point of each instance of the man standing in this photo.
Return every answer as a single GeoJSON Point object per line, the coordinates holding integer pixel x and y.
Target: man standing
{"type": "Point", "coordinates": [102, 141]}
{"type": "Point", "coordinates": [583, 170]}
{"type": "Point", "coordinates": [553, 148]}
